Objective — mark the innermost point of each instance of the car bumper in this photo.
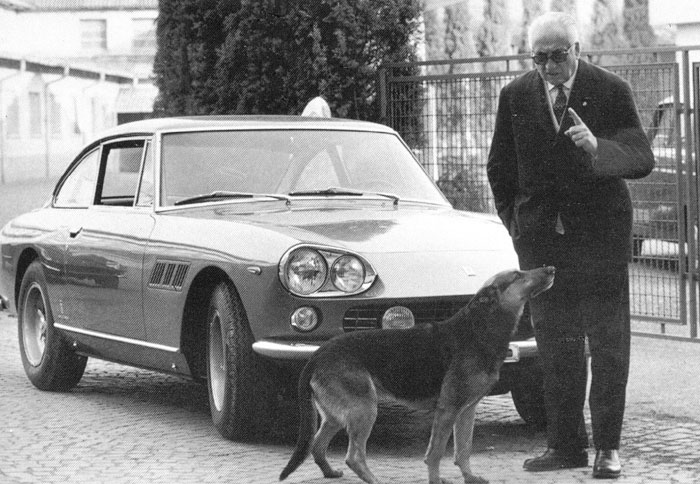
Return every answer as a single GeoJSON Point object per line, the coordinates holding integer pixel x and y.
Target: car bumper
{"type": "Point", "coordinates": [285, 350]}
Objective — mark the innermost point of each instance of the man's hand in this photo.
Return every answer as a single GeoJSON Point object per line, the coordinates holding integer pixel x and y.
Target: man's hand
{"type": "Point", "coordinates": [581, 135]}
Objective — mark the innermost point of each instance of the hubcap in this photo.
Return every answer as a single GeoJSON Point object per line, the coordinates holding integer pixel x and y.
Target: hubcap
{"type": "Point", "coordinates": [34, 325]}
{"type": "Point", "coordinates": [217, 361]}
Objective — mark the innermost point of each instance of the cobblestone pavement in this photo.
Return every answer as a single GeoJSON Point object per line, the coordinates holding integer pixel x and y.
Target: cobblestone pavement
{"type": "Point", "coordinates": [122, 425]}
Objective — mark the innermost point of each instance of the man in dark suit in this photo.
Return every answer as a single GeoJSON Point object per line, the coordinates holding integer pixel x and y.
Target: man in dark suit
{"type": "Point", "coordinates": [567, 134]}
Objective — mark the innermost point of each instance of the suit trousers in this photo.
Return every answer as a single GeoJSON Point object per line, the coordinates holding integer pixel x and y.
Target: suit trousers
{"type": "Point", "coordinates": [594, 305]}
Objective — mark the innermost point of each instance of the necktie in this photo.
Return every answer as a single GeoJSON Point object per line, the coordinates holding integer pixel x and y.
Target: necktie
{"type": "Point", "coordinates": [559, 103]}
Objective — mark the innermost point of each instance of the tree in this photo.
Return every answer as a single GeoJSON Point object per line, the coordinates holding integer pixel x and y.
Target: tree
{"type": "Point", "coordinates": [636, 24]}
{"type": "Point", "coordinates": [606, 28]}
{"type": "Point", "coordinates": [566, 6]}
{"type": "Point", "coordinates": [273, 56]}
{"type": "Point", "coordinates": [189, 32]}
{"type": "Point", "coordinates": [494, 35]}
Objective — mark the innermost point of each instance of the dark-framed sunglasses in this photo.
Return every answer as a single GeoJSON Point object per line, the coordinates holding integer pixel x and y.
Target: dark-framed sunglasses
{"type": "Point", "coordinates": [558, 56]}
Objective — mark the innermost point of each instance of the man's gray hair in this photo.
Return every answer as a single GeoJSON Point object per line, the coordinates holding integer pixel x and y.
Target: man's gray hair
{"type": "Point", "coordinates": [554, 19]}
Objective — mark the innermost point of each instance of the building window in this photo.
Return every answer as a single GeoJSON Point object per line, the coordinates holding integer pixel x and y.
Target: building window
{"type": "Point", "coordinates": [144, 34]}
{"type": "Point", "coordinates": [93, 34]}
{"type": "Point", "coordinates": [35, 114]}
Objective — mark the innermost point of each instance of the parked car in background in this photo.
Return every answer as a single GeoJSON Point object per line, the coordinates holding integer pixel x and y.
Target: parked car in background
{"type": "Point", "coordinates": [227, 249]}
{"type": "Point", "coordinates": [658, 209]}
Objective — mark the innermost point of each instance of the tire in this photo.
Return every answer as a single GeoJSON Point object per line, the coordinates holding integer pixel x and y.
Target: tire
{"type": "Point", "coordinates": [527, 391]}
{"type": "Point", "coordinates": [48, 360]}
{"type": "Point", "coordinates": [241, 397]}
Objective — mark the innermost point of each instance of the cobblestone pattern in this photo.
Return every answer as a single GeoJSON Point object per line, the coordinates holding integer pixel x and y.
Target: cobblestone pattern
{"type": "Point", "coordinates": [122, 425]}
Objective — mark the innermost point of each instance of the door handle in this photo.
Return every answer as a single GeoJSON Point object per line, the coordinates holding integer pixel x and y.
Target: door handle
{"type": "Point", "coordinates": [73, 233]}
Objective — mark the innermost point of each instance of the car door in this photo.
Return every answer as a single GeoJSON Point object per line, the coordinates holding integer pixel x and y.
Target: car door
{"type": "Point", "coordinates": [105, 248]}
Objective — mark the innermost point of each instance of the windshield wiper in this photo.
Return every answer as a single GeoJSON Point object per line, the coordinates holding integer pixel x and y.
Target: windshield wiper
{"type": "Point", "coordinates": [219, 194]}
{"type": "Point", "coordinates": [335, 191]}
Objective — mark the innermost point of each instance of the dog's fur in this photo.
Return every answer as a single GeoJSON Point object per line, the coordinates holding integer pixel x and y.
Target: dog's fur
{"type": "Point", "coordinates": [450, 364]}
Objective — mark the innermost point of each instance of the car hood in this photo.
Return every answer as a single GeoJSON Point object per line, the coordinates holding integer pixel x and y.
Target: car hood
{"type": "Point", "coordinates": [411, 242]}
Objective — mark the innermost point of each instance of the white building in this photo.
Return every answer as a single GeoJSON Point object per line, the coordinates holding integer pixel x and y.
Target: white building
{"type": "Point", "coordinates": [682, 17]}
{"type": "Point", "coordinates": [69, 69]}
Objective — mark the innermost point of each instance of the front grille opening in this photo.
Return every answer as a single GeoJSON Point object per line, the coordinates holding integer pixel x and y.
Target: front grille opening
{"type": "Point", "coordinates": [370, 317]}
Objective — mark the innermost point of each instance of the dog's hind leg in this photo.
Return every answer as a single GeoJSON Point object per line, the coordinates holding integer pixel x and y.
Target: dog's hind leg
{"type": "Point", "coordinates": [359, 425]}
{"type": "Point", "coordinates": [463, 438]}
{"type": "Point", "coordinates": [323, 438]}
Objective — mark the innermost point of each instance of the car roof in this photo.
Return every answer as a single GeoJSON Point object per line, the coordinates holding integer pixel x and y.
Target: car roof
{"type": "Point", "coordinates": [190, 123]}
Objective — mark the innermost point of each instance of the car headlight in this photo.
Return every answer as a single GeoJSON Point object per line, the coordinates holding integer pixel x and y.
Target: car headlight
{"type": "Point", "coordinates": [348, 273]}
{"type": "Point", "coordinates": [305, 271]}
{"type": "Point", "coordinates": [318, 271]}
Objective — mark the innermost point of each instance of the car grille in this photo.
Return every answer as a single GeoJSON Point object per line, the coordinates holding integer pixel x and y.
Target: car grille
{"type": "Point", "coordinates": [370, 317]}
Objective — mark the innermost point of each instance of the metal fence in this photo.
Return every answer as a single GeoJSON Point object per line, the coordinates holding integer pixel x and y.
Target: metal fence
{"type": "Point", "coordinates": [446, 111]}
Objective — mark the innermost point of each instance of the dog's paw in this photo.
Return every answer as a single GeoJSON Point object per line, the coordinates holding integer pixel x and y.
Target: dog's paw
{"type": "Point", "coordinates": [332, 474]}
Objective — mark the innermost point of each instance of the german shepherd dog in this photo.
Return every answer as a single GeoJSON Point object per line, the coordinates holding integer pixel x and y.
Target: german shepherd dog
{"type": "Point", "coordinates": [448, 365]}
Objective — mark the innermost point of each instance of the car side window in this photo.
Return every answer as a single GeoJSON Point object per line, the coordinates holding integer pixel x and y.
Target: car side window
{"type": "Point", "coordinates": [146, 187]}
{"type": "Point", "coordinates": [120, 173]}
{"type": "Point", "coordinates": [78, 189]}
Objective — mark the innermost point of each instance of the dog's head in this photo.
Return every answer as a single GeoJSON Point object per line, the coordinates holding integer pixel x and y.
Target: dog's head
{"type": "Point", "coordinates": [508, 291]}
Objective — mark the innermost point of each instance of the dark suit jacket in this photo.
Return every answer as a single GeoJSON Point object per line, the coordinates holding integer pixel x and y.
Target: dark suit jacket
{"type": "Point", "coordinates": [536, 173]}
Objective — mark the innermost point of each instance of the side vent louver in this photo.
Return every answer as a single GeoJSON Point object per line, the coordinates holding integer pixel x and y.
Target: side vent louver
{"type": "Point", "coordinates": [168, 275]}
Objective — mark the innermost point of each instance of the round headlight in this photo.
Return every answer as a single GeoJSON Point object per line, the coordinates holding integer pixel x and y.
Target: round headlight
{"type": "Point", "coordinates": [306, 271]}
{"type": "Point", "coordinates": [348, 273]}
{"type": "Point", "coordinates": [398, 317]}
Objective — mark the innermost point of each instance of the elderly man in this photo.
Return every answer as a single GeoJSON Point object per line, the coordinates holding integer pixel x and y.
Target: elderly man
{"type": "Point", "coordinates": [567, 134]}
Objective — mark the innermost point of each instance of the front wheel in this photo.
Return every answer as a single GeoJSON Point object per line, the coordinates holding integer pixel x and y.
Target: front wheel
{"type": "Point", "coordinates": [48, 360]}
{"type": "Point", "coordinates": [527, 391]}
{"type": "Point", "coordinates": [241, 399]}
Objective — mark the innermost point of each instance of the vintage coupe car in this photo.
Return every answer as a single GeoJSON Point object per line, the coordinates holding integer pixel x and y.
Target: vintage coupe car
{"type": "Point", "coordinates": [227, 249]}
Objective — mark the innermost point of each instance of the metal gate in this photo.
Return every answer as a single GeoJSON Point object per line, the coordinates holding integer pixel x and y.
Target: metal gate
{"type": "Point", "coordinates": [446, 111]}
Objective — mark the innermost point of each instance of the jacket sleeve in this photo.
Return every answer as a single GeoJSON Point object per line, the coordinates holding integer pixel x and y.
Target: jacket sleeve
{"type": "Point", "coordinates": [502, 168]}
{"type": "Point", "coordinates": [623, 152]}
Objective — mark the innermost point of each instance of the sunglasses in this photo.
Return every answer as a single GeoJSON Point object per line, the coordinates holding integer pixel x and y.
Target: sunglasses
{"type": "Point", "coordinates": [558, 56]}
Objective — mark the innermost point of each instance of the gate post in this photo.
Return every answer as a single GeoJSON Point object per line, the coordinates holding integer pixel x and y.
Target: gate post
{"type": "Point", "coordinates": [382, 96]}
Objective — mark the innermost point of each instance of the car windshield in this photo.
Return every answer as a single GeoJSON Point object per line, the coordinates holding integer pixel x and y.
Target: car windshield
{"type": "Point", "coordinates": [215, 165]}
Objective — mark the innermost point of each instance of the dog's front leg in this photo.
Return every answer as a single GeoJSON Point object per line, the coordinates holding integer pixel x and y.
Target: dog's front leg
{"type": "Point", "coordinates": [463, 439]}
{"type": "Point", "coordinates": [440, 434]}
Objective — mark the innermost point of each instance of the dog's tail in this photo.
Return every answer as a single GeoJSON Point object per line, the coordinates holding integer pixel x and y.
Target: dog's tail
{"type": "Point", "coordinates": [307, 422]}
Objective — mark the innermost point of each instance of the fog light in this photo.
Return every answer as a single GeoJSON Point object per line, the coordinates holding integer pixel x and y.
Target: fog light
{"type": "Point", "coordinates": [304, 319]}
{"type": "Point", "coordinates": [398, 317]}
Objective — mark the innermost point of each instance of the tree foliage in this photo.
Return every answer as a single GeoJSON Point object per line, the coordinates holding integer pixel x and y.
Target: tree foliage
{"type": "Point", "coordinates": [494, 35]}
{"type": "Point", "coordinates": [273, 56]}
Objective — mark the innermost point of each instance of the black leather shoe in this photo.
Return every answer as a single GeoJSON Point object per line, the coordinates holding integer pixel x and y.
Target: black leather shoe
{"type": "Point", "coordinates": [607, 464]}
{"type": "Point", "coordinates": [555, 459]}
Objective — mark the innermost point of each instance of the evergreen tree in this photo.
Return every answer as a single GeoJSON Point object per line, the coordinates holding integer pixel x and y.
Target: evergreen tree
{"type": "Point", "coordinates": [606, 28]}
{"type": "Point", "coordinates": [273, 56]}
{"type": "Point", "coordinates": [494, 37]}
{"type": "Point", "coordinates": [189, 32]}
{"type": "Point", "coordinates": [636, 24]}
{"type": "Point", "coordinates": [459, 43]}
{"type": "Point", "coordinates": [565, 6]}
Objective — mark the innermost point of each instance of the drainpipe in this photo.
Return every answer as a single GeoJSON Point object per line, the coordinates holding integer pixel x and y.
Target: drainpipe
{"type": "Point", "coordinates": [85, 89]}
{"type": "Point", "coordinates": [3, 138]}
{"type": "Point", "coordinates": [47, 127]}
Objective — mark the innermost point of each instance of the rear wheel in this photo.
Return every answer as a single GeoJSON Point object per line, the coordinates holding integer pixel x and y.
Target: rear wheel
{"type": "Point", "coordinates": [48, 360]}
{"type": "Point", "coordinates": [241, 397]}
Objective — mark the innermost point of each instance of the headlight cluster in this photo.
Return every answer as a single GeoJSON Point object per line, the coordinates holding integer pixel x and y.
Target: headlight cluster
{"type": "Point", "coordinates": [317, 271]}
